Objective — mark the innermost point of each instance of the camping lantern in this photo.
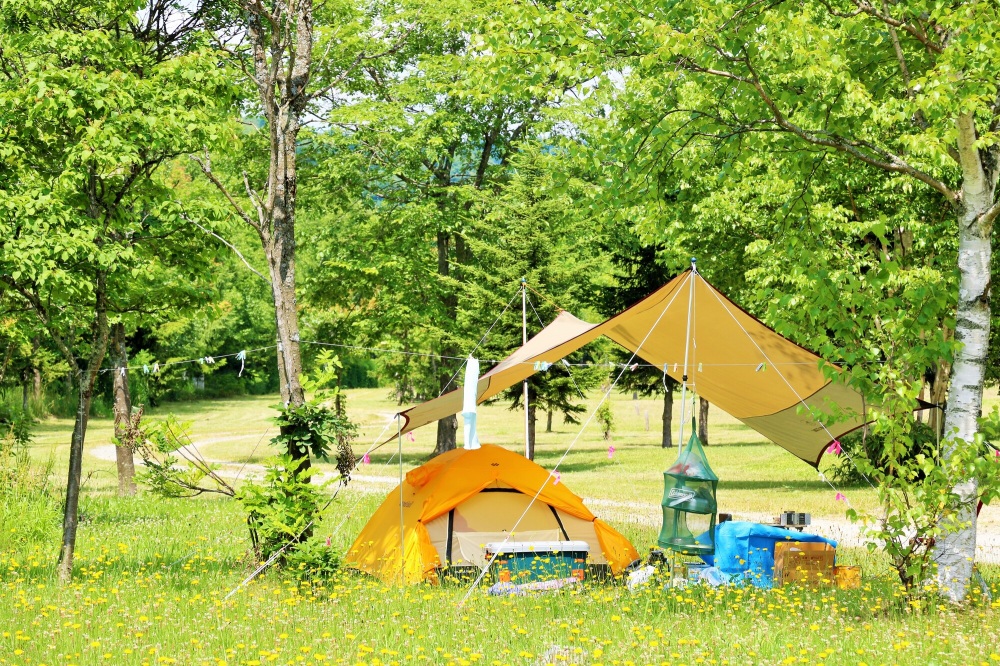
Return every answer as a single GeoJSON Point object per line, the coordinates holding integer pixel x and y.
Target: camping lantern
{"type": "Point", "coordinates": [689, 502]}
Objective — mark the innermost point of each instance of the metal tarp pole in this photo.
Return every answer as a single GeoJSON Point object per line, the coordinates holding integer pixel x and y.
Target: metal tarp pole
{"type": "Point", "coordinates": [524, 341]}
{"type": "Point", "coordinates": [687, 350]}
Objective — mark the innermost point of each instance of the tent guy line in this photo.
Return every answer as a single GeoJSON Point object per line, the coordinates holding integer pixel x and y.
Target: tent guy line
{"type": "Point", "coordinates": [569, 448]}
{"type": "Point", "coordinates": [794, 391]}
{"type": "Point", "coordinates": [478, 344]}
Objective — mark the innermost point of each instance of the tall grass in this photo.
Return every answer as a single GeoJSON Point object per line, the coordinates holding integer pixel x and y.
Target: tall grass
{"type": "Point", "coordinates": [29, 503]}
{"type": "Point", "coordinates": [152, 578]}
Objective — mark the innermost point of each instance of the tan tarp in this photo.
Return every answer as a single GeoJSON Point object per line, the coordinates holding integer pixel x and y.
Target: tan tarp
{"type": "Point", "coordinates": [736, 363]}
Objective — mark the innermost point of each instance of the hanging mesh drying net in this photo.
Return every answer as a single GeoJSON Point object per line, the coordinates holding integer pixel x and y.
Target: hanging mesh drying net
{"type": "Point", "coordinates": [689, 504]}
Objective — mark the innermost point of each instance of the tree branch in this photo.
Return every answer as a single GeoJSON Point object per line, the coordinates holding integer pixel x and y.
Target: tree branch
{"type": "Point", "coordinates": [860, 149]}
{"type": "Point", "coordinates": [990, 215]}
{"type": "Point", "coordinates": [206, 168]}
{"type": "Point", "coordinates": [227, 244]}
{"type": "Point", "coordinates": [917, 33]}
{"type": "Point", "coordinates": [42, 313]}
{"type": "Point", "coordinates": [361, 57]}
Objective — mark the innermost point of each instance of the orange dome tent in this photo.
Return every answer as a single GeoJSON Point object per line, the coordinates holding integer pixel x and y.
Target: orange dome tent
{"type": "Point", "coordinates": [462, 499]}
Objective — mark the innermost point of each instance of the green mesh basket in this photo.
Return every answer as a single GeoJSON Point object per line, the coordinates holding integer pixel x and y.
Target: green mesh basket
{"type": "Point", "coordinates": [689, 504]}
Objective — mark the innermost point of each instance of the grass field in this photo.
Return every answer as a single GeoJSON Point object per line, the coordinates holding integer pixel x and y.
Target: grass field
{"type": "Point", "coordinates": [152, 574]}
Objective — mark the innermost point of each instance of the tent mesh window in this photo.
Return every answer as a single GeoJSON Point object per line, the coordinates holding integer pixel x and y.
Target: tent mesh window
{"type": "Point", "coordinates": [689, 504]}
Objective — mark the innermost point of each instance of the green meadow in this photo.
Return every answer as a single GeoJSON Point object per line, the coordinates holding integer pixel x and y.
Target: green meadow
{"type": "Point", "coordinates": [157, 581]}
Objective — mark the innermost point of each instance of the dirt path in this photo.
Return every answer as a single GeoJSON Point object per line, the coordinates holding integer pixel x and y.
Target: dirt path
{"type": "Point", "coordinates": [615, 511]}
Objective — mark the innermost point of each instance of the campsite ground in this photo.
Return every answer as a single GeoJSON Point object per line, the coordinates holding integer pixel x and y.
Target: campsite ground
{"type": "Point", "coordinates": [152, 573]}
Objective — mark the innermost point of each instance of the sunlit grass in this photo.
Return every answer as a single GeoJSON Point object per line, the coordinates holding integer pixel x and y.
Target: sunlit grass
{"type": "Point", "coordinates": [152, 576]}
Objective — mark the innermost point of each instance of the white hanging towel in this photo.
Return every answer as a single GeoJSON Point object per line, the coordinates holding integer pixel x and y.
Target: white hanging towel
{"type": "Point", "coordinates": [469, 403]}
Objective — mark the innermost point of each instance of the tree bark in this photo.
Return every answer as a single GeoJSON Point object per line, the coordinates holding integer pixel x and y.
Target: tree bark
{"type": "Point", "coordinates": [124, 456]}
{"type": "Point", "coordinates": [703, 420]}
{"type": "Point", "coordinates": [448, 427]}
{"type": "Point", "coordinates": [87, 376]}
{"type": "Point", "coordinates": [548, 421]}
{"type": "Point", "coordinates": [955, 552]}
{"type": "Point", "coordinates": [531, 427]}
{"type": "Point", "coordinates": [668, 417]}
{"type": "Point", "coordinates": [938, 396]}
{"type": "Point", "coordinates": [36, 387]}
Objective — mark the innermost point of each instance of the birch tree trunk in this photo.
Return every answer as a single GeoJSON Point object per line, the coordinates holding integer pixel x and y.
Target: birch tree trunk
{"type": "Point", "coordinates": [955, 553]}
{"type": "Point", "coordinates": [124, 456]}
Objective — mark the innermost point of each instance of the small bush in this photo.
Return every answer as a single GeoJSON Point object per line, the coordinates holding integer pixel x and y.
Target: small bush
{"type": "Point", "coordinates": [606, 419]}
{"type": "Point", "coordinates": [870, 447]}
{"type": "Point", "coordinates": [282, 509]}
{"type": "Point", "coordinates": [312, 559]}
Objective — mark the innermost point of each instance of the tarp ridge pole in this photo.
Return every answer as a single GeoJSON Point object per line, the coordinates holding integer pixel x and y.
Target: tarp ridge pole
{"type": "Point", "coordinates": [524, 341]}
{"type": "Point", "coordinates": [687, 350]}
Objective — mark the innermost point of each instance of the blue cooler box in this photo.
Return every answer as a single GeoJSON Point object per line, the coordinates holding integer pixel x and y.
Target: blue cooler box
{"type": "Point", "coordinates": [529, 561]}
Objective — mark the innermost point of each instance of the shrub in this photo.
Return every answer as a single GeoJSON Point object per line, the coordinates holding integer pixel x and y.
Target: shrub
{"type": "Point", "coordinates": [869, 445]}
{"type": "Point", "coordinates": [312, 559]}
{"type": "Point", "coordinates": [282, 510]}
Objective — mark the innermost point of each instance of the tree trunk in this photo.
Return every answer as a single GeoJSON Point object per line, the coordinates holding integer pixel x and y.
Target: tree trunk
{"type": "Point", "coordinates": [955, 552]}
{"type": "Point", "coordinates": [938, 396]}
{"type": "Point", "coordinates": [668, 417]}
{"type": "Point", "coordinates": [124, 456]}
{"type": "Point", "coordinates": [447, 427]}
{"type": "Point", "coordinates": [24, 395]}
{"type": "Point", "coordinates": [548, 421]}
{"type": "Point", "coordinates": [36, 387]}
{"type": "Point", "coordinates": [703, 420]}
{"type": "Point", "coordinates": [87, 376]}
{"type": "Point", "coordinates": [531, 427]}
{"type": "Point", "coordinates": [36, 372]}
